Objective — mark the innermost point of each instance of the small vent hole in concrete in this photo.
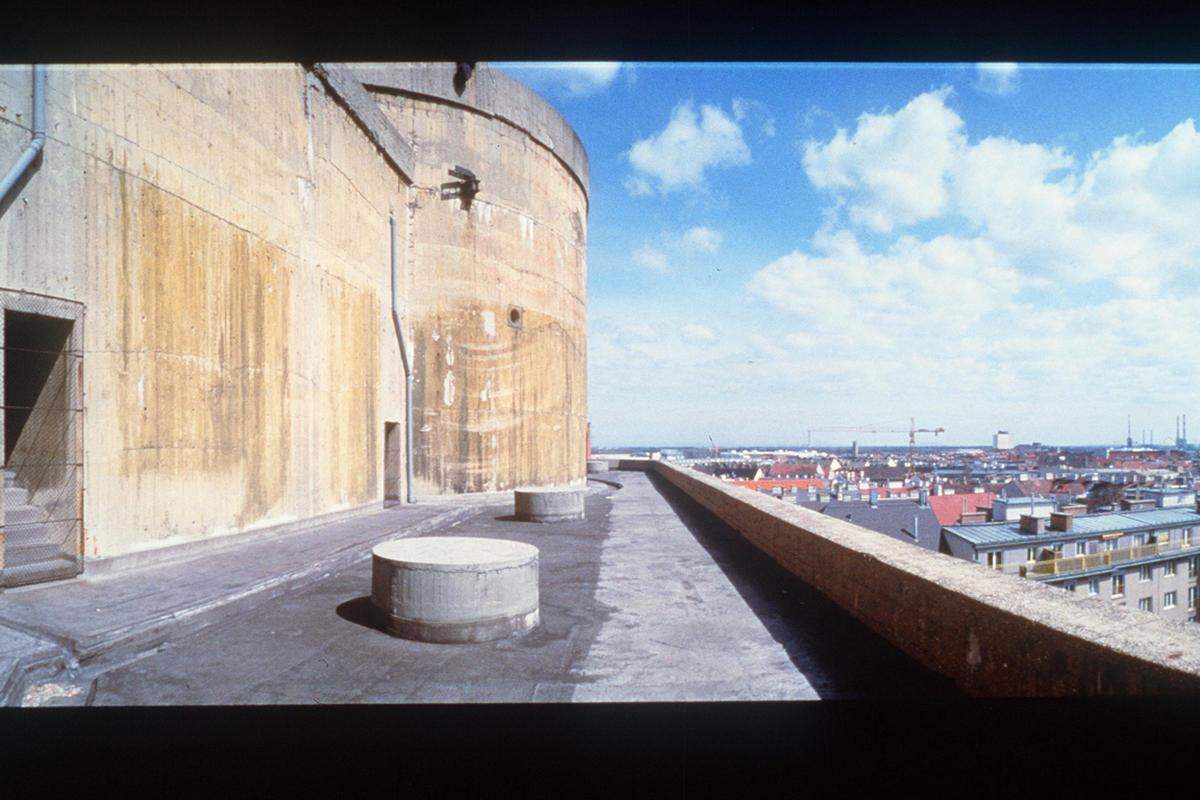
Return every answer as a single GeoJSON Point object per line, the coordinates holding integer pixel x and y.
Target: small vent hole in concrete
{"type": "Point", "coordinates": [515, 316]}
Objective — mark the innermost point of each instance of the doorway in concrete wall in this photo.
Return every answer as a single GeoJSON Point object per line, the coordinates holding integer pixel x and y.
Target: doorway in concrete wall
{"type": "Point", "coordinates": [391, 462]}
{"type": "Point", "coordinates": [42, 433]}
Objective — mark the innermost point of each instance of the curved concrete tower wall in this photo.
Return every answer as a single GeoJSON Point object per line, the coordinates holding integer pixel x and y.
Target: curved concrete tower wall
{"type": "Point", "coordinates": [496, 286]}
{"type": "Point", "coordinates": [225, 230]}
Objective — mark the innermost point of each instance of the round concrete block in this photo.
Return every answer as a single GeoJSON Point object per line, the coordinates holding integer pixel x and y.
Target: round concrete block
{"type": "Point", "coordinates": [454, 588]}
{"type": "Point", "coordinates": [549, 505]}
{"type": "Point", "coordinates": [597, 465]}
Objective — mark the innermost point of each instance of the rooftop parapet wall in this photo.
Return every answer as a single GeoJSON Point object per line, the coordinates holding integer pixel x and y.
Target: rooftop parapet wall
{"type": "Point", "coordinates": [993, 634]}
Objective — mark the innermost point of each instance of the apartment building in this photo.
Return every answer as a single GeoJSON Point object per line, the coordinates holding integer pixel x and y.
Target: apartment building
{"type": "Point", "coordinates": [1146, 559]}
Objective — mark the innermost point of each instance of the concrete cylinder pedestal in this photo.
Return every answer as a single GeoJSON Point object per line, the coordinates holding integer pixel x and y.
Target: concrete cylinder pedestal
{"type": "Point", "coordinates": [548, 505]}
{"type": "Point", "coordinates": [454, 588]}
{"type": "Point", "coordinates": [597, 465]}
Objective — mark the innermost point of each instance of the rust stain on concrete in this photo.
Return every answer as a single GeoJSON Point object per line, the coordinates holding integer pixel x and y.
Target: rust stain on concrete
{"type": "Point", "coordinates": [351, 412]}
{"type": "Point", "coordinates": [205, 316]}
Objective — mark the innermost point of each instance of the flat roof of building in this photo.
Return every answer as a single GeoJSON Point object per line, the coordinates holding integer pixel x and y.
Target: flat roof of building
{"type": "Point", "coordinates": [651, 598]}
{"type": "Point", "coordinates": [992, 534]}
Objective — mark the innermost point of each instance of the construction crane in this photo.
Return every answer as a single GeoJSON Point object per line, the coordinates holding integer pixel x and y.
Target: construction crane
{"type": "Point", "coordinates": [715, 451]}
{"type": "Point", "coordinates": [912, 432]}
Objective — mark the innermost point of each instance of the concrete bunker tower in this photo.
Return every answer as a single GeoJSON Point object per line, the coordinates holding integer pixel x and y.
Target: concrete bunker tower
{"type": "Point", "coordinates": [498, 277]}
{"type": "Point", "coordinates": [198, 270]}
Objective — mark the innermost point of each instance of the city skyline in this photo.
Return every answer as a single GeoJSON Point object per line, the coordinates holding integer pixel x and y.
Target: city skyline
{"type": "Point", "coordinates": [892, 440]}
{"type": "Point", "coordinates": [779, 247]}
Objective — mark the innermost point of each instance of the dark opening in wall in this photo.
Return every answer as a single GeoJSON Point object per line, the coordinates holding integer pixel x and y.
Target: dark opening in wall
{"type": "Point", "coordinates": [515, 316]}
{"type": "Point", "coordinates": [33, 345]}
{"type": "Point", "coordinates": [391, 461]}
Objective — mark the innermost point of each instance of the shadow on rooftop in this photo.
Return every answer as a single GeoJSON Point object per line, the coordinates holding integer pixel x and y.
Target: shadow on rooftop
{"type": "Point", "coordinates": [357, 611]}
{"type": "Point", "coordinates": [840, 656]}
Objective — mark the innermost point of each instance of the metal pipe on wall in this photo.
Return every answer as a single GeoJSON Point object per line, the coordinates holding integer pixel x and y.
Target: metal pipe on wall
{"type": "Point", "coordinates": [39, 133]}
{"type": "Point", "coordinates": [408, 377]}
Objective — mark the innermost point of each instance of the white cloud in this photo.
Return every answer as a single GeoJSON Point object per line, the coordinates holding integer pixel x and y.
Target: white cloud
{"type": "Point", "coordinates": [698, 333]}
{"type": "Point", "coordinates": [745, 109]}
{"type": "Point", "coordinates": [1052, 284]}
{"type": "Point", "coordinates": [703, 239]}
{"type": "Point", "coordinates": [997, 77]}
{"type": "Point", "coordinates": [650, 258]}
{"type": "Point", "coordinates": [893, 165]}
{"type": "Point", "coordinates": [677, 156]}
{"type": "Point", "coordinates": [1126, 214]}
{"type": "Point", "coordinates": [576, 78]}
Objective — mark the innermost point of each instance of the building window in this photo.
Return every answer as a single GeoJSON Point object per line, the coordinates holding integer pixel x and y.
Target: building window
{"type": "Point", "coordinates": [1145, 573]}
{"type": "Point", "coordinates": [1193, 564]}
{"type": "Point", "coordinates": [1142, 538]}
{"type": "Point", "coordinates": [1118, 585]}
{"type": "Point", "coordinates": [1110, 545]}
{"type": "Point", "coordinates": [1081, 548]}
{"type": "Point", "coordinates": [1192, 598]}
{"type": "Point", "coordinates": [1169, 600]}
{"type": "Point", "coordinates": [1146, 604]}
{"type": "Point", "coordinates": [1169, 569]}
{"type": "Point", "coordinates": [1070, 587]}
{"type": "Point", "coordinates": [1187, 537]}
{"type": "Point", "coordinates": [1031, 554]}
{"type": "Point", "coordinates": [1094, 586]}
{"type": "Point", "coordinates": [994, 559]}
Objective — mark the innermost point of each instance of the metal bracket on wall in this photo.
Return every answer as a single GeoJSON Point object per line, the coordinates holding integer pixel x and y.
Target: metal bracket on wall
{"type": "Point", "coordinates": [465, 188]}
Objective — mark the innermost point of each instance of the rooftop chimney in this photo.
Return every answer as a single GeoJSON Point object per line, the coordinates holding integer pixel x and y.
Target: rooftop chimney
{"type": "Point", "coordinates": [1060, 521]}
{"type": "Point", "coordinates": [1074, 508]}
{"type": "Point", "coordinates": [1032, 524]}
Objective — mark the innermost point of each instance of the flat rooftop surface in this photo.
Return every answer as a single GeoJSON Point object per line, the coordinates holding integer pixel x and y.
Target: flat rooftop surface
{"type": "Point", "coordinates": [649, 598]}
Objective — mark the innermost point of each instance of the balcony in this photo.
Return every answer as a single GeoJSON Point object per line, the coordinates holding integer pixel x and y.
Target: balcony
{"type": "Point", "coordinates": [1075, 564]}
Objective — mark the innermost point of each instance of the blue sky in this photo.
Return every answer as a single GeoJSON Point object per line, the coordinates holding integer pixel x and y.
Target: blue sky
{"type": "Point", "coordinates": [773, 248]}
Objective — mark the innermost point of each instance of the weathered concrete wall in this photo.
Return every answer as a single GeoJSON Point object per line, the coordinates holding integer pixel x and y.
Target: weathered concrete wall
{"type": "Point", "coordinates": [227, 228]}
{"type": "Point", "coordinates": [498, 405]}
{"type": "Point", "coordinates": [993, 634]}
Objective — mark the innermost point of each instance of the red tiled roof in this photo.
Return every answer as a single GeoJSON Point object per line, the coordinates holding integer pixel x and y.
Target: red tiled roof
{"type": "Point", "coordinates": [801, 484]}
{"type": "Point", "coordinates": [949, 508]}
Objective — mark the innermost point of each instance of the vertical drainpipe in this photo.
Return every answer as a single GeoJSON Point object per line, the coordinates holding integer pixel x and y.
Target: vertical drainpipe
{"type": "Point", "coordinates": [39, 133]}
{"type": "Point", "coordinates": [408, 378]}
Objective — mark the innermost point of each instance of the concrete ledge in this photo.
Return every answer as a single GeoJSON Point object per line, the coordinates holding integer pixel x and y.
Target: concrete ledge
{"type": "Point", "coordinates": [341, 82]}
{"type": "Point", "coordinates": [993, 634]}
{"type": "Point", "coordinates": [595, 465]}
{"type": "Point", "coordinates": [103, 567]}
{"type": "Point", "coordinates": [632, 464]}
